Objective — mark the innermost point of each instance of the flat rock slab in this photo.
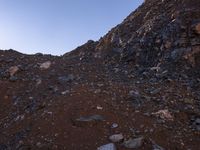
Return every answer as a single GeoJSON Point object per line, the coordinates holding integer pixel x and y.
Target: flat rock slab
{"type": "Point", "coordinates": [109, 146]}
{"type": "Point", "coordinates": [91, 118]}
{"type": "Point", "coordinates": [89, 121]}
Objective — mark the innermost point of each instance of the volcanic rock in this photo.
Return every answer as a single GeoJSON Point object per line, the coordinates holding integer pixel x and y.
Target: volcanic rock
{"type": "Point", "coordinates": [148, 65]}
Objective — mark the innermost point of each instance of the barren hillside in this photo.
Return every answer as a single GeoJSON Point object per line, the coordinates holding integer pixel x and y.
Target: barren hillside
{"type": "Point", "coordinates": [136, 88]}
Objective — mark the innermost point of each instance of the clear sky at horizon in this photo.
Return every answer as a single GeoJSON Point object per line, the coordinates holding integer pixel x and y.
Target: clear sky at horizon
{"type": "Point", "coordinates": [58, 26]}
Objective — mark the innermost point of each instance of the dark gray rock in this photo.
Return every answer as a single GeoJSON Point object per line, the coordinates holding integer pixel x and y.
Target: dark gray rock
{"type": "Point", "coordinates": [178, 53]}
{"type": "Point", "coordinates": [91, 118]}
{"type": "Point", "coordinates": [13, 78]}
{"type": "Point", "coordinates": [67, 78]}
{"type": "Point", "coordinates": [134, 143]}
{"type": "Point", "coordinates": [87, 121]}
{"type": "Point", "coordinates": [3, 147]}
{"type": "Point", "coordinates": [134, 94]}
{"type": "Point", "coordinates": [157, 147]}
{"type": "Point", "coordinates": [196, 124]}
{"type": "Point", "coordinates": [135, 98]}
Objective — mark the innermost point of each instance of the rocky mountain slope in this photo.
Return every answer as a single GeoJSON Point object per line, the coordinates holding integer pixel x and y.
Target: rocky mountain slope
{"type": "Point", "coordinates": [158, 33]}
{"type": "Point", "coordinates": [135, 88]}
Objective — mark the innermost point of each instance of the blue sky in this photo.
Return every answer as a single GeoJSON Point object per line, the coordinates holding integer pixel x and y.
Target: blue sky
{"type": "Point", "coordinates": [58, 26]}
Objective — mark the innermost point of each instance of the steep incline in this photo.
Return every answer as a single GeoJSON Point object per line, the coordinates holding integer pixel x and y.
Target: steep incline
{"type": "Point", "coordinates": [158, 33]}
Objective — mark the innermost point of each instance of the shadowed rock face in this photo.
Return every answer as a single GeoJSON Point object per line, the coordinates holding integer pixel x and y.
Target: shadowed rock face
{"type": "Point", "coordinates": [137, 87]}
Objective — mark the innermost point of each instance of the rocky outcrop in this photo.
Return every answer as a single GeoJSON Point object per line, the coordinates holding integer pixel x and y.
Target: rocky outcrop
{"type": "Point", "coordinates": [158, 33]}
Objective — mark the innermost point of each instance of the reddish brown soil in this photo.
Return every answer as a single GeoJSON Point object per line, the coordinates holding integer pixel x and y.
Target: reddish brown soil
{"type": "Point", "coordinates": [38, 117]}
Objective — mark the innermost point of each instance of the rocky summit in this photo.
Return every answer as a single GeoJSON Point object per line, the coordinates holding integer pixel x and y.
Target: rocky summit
{"type": "Point", "coordinates": [136, 88]}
